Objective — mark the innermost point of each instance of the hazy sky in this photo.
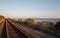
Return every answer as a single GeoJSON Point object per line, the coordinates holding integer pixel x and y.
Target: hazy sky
{"type": "Point", "coordinates": [30, 8]}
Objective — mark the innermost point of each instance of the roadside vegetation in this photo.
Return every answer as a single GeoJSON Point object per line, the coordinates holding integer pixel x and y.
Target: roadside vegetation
{"type": "Point", "coordinates": [1, 17]}
{"type": "Point", "coordinates": [44, 27]}
{"type": "Point", "coordinates": [29, 20]}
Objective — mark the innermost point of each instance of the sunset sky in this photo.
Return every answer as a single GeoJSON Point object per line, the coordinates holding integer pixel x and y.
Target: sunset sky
{"type": "Point", "coordinates": [30, 8]}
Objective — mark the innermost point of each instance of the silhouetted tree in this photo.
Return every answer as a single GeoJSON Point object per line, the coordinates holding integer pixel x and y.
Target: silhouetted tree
{"type": "Point", "coordinates": [57, 26]}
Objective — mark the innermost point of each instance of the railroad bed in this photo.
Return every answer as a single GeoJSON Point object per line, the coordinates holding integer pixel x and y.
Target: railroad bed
{"type": "Point", "coordinates": [11, 30]}
{"type": "Point", "coordinates": [1, 26]}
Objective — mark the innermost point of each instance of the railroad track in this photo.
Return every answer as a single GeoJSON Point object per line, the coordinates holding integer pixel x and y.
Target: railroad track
{"type": "Point", "coordinates": [11, 30]}
{"type": "Point", "coordinates": [1, 26]}
{"type": "Point", "coordinates": [4, 32]}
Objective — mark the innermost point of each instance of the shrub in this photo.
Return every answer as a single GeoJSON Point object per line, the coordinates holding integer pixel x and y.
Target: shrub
{"type": "Point", "coordinates": [1, 17]}
{"type": "Point", "coordinates": [57, 26]}
{"type": "Point", "coordinates": [29, 20]}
